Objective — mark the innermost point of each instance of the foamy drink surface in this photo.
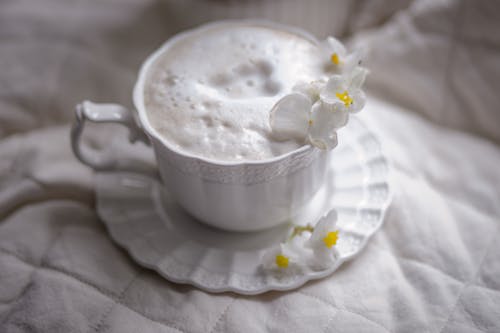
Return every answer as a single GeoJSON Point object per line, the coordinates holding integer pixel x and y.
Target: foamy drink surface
{"type": "Point", "coordinates": [210, 92]}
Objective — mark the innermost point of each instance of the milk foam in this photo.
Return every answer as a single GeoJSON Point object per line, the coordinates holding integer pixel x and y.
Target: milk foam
{"type": "Point", "coordinates": [210, 92]}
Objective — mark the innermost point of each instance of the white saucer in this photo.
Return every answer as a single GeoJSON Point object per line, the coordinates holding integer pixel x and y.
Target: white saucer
{"type": "Point", "coordinates": [142, 218]}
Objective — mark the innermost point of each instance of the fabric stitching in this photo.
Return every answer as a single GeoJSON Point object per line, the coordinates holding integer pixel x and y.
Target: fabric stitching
{"type": "Point", "coordinates": [36, 198]}
{"type": "Point", "coordinates": [448, 275]}
{"type": "Point", "coordinates": [100, 324]}
{"type": "Point", "coordinates": [20, 294]}
{"type": "Point", "coordinates": [111, 295]}
{"type": "Point", "coordinates": [431, 183]}
{"type": "Point", "coordinates": [330, 321]}
{"type": "Point", "coordinates": [470, 283]}
{"type": "Point", "coordinates": [342, 309]}
{"type": "Point", "coordinates": [423, 263]}
{"type": "Point", "coordinates": [222, 314]}
{"type": "Point", "coordinates": [58, 270]}
{"type": "Point", "coordinates": [100, 290]}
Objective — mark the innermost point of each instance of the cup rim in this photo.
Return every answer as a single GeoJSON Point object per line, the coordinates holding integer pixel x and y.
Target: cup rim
{"type": "Point", "coordinates": [138, 95]}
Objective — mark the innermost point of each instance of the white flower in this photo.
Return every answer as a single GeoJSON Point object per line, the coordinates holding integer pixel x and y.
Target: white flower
{"type": "Point", "coordinates": [295, 117]}
{"type": "Point", "coordinates": [324, 120]}
{"type": "Point", "coordinates": [314, 111]}
{"type": "Point", "coordinates": [289, 117]}
{"type": "Point", "coordinates": [311, 89]}
{"type": "Point", "coordinates": [306, 248]}
{"type": "Point", "coordinates": [345, 91]}
{"type": "Point", "coordinates": [323, 241]}
{"type": "Point", "coordinates": [286, 256]}
{"type": "Point", "coordinates": [302, 115]}
{"type": "Point", "coordinates": [336, 57]}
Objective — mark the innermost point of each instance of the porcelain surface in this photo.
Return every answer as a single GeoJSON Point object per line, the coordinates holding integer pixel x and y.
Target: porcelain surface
{"type": "Point", "coordinates": [219, 193]}
{"type": "Point", "coordinates": [142, 217]}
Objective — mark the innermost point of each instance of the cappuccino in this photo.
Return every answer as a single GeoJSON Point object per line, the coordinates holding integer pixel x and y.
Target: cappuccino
{"type": "Point", "coordinates": [209, 93]}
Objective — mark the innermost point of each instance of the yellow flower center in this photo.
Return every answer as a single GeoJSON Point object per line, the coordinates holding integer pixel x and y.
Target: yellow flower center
{"type": "Point", "coordinates": [282, 261]}
{"type": "Point", "coordinates": [344, 97]}
{"type": "Point", "coordinates": [331, 239]}
{"type": "Point", "coordinates": [335, 58]}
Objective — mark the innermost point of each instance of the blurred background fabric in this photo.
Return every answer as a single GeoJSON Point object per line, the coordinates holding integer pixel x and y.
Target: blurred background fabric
{"type": "Point", "coordinates": [433, 101]}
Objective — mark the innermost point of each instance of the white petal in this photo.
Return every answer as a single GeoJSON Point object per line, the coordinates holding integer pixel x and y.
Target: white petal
{"type": "Point", "coordinates": [352, 61]}
{"type": "Point", "coordinates": [324, 121]}
{"type": "Point", "coordinates": [326, 143]}
{"type": "Point", "coordinates": [335, 84]}
{"type": "Point", "coordinates": [311, 89]}
{"type": "Point", "coordinates": [268, 260]}
{"type": "Point", "coordinates": [289, 117]}
{"type": "Point", "coordinates": [358, 100]}
{"type": "Point", "coordinates": [358, 77]}
{"type": "Point", "coordinates": [326, 224]}
{"type": "Point", "coordinates": [331, 45]}
{"type": "Point", "coordinates": [304, 88]}
{"type": "Point", "coordinates": [295, 261]}
{"type": "Point", "coordinates": [297, 242]}
{"type": "Point", "coordinates": [297, 251]}
{"type": "Point", "coordinates": [288, 251]}
{"type": "Point", "coordinates": [326, 118]}
{"type": "Point", "coordinates": [324, 258]}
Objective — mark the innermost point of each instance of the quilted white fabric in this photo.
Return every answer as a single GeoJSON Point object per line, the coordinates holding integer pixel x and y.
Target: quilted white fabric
{"type": "Point", "coordinates": [433, 267]}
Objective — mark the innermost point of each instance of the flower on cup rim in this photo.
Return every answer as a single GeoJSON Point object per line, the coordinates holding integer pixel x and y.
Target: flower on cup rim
{"type": "Point", "coordinates": [346, 90]}
{"type": "Point", "coordinates": [314, 111]}
{"type": "Point", "coordinates": [311, 89]}
{"type": "Point", "coordinates": [336, 56]}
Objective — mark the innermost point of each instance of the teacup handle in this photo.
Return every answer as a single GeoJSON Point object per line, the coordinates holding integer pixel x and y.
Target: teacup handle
{"type": "Point", "coordinates": [103, 113]}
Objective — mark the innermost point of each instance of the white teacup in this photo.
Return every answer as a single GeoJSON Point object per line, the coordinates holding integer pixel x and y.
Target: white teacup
{"type": "Point", "coordinates": [235, 196]}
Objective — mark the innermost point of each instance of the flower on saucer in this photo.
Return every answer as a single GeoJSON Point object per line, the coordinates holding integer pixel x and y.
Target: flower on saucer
{"type": "Point", "coordinates": [323, 241]}
{"type": "Point", "coordinates": [280, 257]}
{"type": "Point", "coordinates": [306, 248]}
{"type": "Point", "coordinates": [336, 56]}
{"type": "Point", "coordinates": [291, 255]}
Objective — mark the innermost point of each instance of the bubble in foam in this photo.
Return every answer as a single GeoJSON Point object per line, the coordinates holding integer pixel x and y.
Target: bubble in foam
{"type": "Point", "coordinates": [272, 88]}
{"type": "Point", "coordinates": [211, 105]}
{"type": "Point", "coordinates": [266, 67]}
{"type": "Point", "coordinates": [244, 69]}
{"type": "Point", "coordinates": [220, 79]}
{"type": "Point", "coordinates": [218, 86]}
{"type": "Point", "coordinates": [207, 120]}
